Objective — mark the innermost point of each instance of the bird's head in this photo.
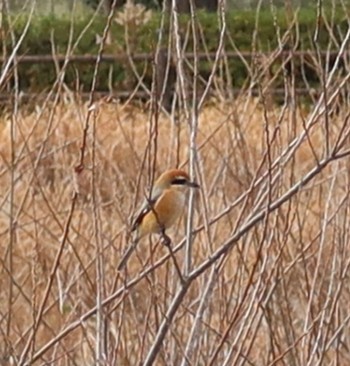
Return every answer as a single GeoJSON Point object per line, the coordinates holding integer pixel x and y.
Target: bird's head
{"type": "Point", "coordinates": [175, 179]}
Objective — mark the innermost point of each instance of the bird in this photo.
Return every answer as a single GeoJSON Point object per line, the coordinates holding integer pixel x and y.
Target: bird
{"type": "Point", "coordinates": [161, 210]}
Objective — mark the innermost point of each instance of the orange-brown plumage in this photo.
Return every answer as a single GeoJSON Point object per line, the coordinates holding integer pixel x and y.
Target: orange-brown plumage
{"type": "Point", "coordinates": [164, 207]}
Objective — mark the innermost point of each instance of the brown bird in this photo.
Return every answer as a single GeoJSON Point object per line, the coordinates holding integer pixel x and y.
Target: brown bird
{"type": "Point", "coordinates": [161, 211]}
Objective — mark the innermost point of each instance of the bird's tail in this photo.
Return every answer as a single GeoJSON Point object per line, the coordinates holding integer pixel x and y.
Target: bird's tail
{"type": "Point", "coordinates": [127, 255]}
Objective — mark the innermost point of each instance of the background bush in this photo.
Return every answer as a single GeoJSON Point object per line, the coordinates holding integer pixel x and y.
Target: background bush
{"type": "Point", "coordinates": [49, 32]}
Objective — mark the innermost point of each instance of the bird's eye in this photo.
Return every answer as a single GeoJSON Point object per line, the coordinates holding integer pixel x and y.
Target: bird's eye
{"type": "Point", "coordinates": [179, 181]}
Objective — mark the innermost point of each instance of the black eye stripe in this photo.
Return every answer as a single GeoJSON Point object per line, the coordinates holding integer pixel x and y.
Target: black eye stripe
{"type": "Point", "coordinates": [179, 181]}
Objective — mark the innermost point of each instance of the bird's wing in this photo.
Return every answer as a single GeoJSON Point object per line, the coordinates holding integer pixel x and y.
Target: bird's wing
{"type": "Point", "coordinates": [147, 206]}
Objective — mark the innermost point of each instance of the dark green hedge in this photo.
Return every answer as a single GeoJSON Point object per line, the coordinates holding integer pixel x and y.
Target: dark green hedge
{"type": "Point", "coordinates": [240, 28]}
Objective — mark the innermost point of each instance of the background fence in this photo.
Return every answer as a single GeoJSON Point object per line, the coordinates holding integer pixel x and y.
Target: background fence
{"type": "Point", "coordinates": [89, 59]}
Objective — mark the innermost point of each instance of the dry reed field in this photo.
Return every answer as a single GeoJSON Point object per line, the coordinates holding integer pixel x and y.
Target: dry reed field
{"type": "Point", "coordinates": [268, 282]}
{"type": "Point", "coordinates": [258, 268]}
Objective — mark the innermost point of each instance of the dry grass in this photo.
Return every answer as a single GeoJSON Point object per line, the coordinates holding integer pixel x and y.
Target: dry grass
{"type": "Point", "coordinates": [280, 294]}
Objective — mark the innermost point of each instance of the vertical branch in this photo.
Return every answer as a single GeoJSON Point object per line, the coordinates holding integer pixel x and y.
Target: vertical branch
{"type": "Point", "coordinates": [14, 116]}
{"type": "Point", "coordinates": [166, 323]}
{"type": "Point", "coordinates": [101, 321]}
{"type": "Point", "coordinates": [101, 346]}
{"type": "Point", "coordinates": [193, 126]}
{"type": "Point", "coordinates": [182, 85]}
{"type": "Point", "coordinates": [222, 15]}
{"type": "Point", "coordinates": [195, 334]}
{"type": "Point", "coordinates": [323, 71]}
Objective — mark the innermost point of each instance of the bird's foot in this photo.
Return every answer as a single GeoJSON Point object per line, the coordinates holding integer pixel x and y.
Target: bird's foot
{"type": "Point", "coordinates": [165, 239]}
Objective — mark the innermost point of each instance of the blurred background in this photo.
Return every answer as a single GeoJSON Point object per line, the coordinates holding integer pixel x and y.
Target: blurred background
{"type": "Point", "coordinates": [253, 33]}
{"type": "Point", "coordinates": [54, 6]}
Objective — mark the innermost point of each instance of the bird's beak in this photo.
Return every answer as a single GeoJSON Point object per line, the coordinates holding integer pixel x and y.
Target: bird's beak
{"type": "Point", "coordinates": [193, 184]}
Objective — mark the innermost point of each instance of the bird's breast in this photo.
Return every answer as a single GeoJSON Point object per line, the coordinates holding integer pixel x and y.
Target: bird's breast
{"type": "Point", "coordinates": [165, 212]}
{"type": "Point", "coordinates": [170, 207]}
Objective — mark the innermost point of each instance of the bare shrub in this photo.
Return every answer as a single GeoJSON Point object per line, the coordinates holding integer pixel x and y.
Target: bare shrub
{"type": "Point", "coordinates": [263, 246]}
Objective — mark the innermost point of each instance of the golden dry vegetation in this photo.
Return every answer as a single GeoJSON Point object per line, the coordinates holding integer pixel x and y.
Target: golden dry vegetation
{"type": "Point", "coordinates": [279, 294]}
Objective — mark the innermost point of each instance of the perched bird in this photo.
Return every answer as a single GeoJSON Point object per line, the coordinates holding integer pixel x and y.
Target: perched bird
{"type": "Point", "coordinates": [162, 209]}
